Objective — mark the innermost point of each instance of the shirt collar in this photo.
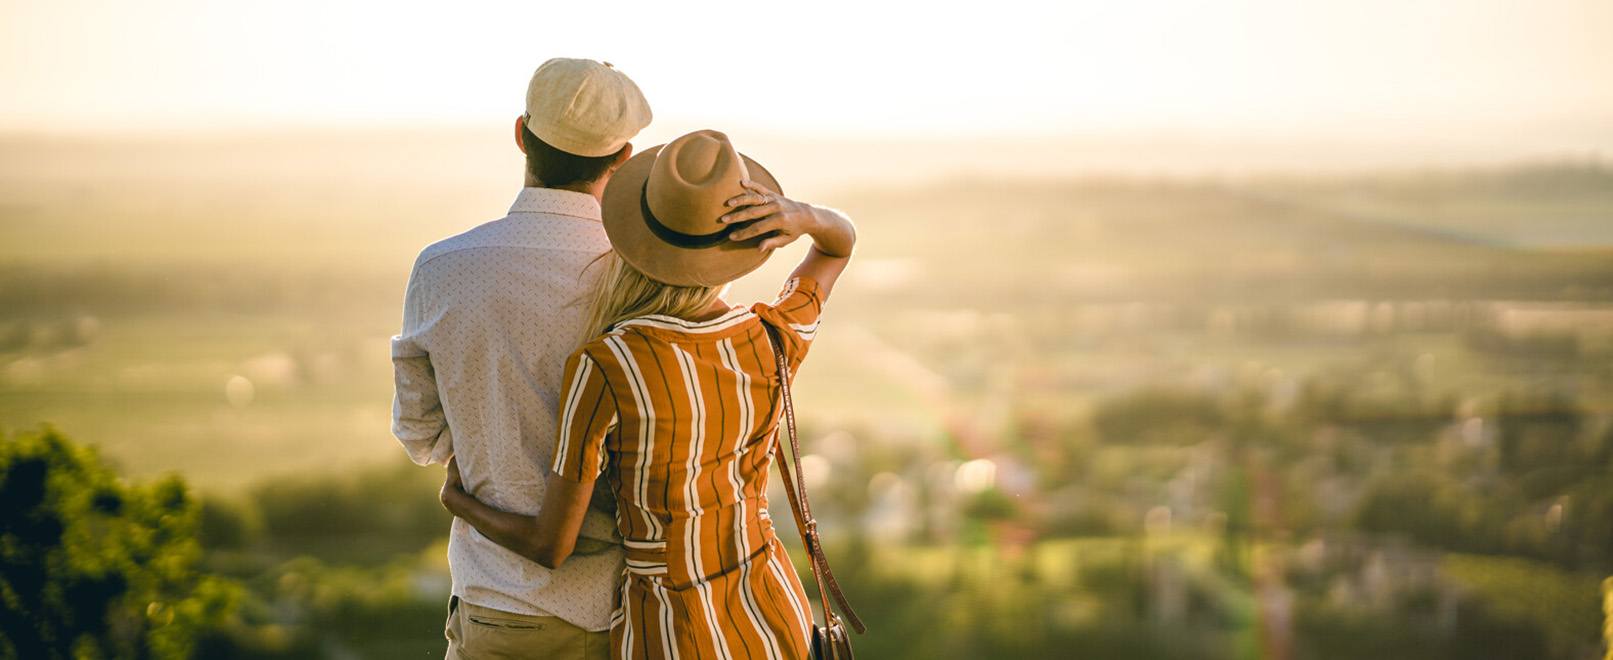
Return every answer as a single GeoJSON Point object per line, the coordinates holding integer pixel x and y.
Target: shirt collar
{"type": "Point", "coordinates": [553, 201]}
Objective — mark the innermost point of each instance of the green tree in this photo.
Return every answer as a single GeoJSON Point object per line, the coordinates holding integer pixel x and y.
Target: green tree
{"type": "Point", "coordinates": [1540, 430]}
{"type": "Point", "coordinates": [1159, 417]}
{"type": "Point", "coordinates": [92, 567]}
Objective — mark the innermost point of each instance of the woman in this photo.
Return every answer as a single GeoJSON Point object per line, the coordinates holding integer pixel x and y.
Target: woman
{"type": "Point", "coordinates": [674, 399]}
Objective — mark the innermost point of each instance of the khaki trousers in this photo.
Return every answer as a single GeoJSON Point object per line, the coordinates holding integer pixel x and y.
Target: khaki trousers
{"type": "Point", "coordinates": [479, 633]}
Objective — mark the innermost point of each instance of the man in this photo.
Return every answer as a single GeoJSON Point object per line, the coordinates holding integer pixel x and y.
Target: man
{"type": "Point", "coordinates": [489, 319]}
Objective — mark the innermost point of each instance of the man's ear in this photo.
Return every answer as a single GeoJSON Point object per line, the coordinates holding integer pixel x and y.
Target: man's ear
{"type": "Point", "coordinates": [520, 133]}
{"type": "Point", "coordinates": [622, 155]}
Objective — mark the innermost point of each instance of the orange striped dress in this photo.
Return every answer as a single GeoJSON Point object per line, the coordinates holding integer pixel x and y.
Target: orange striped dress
{"type": "Point", "coordinates": [682, 418]}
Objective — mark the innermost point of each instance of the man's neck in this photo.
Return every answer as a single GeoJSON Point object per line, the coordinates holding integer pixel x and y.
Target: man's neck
{"type": "Point", "coordinates": [595, 188]}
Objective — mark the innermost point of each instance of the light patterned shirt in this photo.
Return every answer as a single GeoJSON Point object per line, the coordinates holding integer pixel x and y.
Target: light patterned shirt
{"type": "Point", "coordinates": [489, 319]}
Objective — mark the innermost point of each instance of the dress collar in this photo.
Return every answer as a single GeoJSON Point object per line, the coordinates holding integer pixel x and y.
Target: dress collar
{"type": "Point", "coordinates": [734, 317]}
{"type": "Point", "coordinates": [553, 201]}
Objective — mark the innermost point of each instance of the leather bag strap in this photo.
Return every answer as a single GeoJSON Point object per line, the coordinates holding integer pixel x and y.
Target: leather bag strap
{"type": "Point", "coordinates": [795, 489]}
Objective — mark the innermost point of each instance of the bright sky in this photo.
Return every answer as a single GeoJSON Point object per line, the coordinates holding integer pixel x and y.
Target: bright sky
{"type": "Point", "coordinates": [998, 67]}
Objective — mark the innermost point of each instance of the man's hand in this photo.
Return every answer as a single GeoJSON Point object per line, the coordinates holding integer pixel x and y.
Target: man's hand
{"type": "Point", "coordinates": [453, 487]}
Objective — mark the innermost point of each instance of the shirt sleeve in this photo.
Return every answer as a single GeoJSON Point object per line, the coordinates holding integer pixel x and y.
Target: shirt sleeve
{"type": "Point", "coordinates": [586, 417]}
{"type": "Point", "coordinates": [418, 419]}
{"type": "Point", "coordinates": [795, 316]}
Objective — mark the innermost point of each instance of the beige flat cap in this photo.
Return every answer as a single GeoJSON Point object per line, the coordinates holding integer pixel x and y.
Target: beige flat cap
{"type": "Point", "coordinates": [584, 107]}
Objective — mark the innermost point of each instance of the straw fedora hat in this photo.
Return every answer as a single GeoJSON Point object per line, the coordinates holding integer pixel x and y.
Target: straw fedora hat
{"type": "Point", "coordinates": [661, 211]}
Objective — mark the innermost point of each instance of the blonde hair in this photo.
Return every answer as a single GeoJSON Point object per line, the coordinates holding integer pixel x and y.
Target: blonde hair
{"type": "Point", "coordinates": [625, 293]}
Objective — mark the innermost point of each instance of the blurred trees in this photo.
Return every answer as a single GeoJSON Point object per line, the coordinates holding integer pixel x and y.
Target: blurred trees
{"type": "Point", "coordinates": [95, 567]}
{"type": "Point", "coordinates": [1162, 417]}
{"type": "Point", "coordinates": [1428, 507]}
{"type": "Point", "coordinates": [1524, 473]}
{"type": "Point", "coordinates": [398, 502]}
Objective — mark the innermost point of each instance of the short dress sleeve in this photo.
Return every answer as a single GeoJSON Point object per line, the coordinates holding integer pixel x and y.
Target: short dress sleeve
{"type": "Point", "coordinates": [795, 316]}
{"type": "Point", "coordinates": [587, 413]}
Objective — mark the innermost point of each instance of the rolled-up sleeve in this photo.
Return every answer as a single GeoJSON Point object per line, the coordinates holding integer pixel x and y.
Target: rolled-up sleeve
{"type": "Point", "coordinates": [587, 414]}
{"type": "Point", "coordinates": [418, 419]}
{"type": "Point", "coordinates": [795, 315]}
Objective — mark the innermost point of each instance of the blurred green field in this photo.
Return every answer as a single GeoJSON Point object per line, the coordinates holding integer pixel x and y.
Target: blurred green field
{"type": "Point", "coordinates": [150, 389]}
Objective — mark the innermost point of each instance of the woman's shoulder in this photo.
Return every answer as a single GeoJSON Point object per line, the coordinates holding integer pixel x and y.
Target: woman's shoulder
{"type": "Point", "coordinates": [798, 303]}
{"type": "Point", "coordinates": [595, 350]}
{"type": "Point", "coordinates": [797, 290]}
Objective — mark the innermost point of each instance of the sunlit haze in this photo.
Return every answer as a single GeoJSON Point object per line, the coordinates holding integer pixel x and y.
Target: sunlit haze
{"type": "Point", "coordinates": [1508, 71]}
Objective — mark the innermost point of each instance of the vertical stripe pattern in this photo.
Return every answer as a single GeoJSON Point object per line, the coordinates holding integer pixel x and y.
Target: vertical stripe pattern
{"type": "Point", "coordinates": [680, 417]}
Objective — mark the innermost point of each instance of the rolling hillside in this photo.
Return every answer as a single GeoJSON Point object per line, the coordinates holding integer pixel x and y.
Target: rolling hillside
{"type": "Point", "coordinates": [138, 280]}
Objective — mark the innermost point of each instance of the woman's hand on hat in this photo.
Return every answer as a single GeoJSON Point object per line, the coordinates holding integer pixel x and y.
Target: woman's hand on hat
{"type": "Point", "coordinates": [780, 219]}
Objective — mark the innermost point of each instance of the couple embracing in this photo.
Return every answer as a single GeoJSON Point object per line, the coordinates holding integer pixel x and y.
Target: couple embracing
{"type": "Point", "coordinates": [607, 420]}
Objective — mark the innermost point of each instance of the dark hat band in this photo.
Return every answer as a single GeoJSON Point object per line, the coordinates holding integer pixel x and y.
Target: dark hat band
{"type": "Point", "coordinates": [677, 238]}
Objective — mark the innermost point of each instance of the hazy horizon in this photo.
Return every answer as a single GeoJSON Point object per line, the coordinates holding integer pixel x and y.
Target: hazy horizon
{"type": "Point", "coordinates": [485, 157]}
{"type": "Point", "coordinates": [843, 95]}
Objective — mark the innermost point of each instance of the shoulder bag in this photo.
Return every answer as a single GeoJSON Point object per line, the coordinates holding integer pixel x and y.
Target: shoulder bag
{"type": "Point", "coordinates": [829, 641]}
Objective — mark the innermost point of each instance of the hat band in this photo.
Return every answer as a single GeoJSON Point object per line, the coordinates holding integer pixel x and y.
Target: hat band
{"type": "Point", "coordinates": [677, 238]}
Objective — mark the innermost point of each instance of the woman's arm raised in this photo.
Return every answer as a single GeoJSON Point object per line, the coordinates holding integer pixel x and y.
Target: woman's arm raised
{"type": "Point", "coordinates": [547, 538]}
{"type": "Point", "coordinates": [782, 220]}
